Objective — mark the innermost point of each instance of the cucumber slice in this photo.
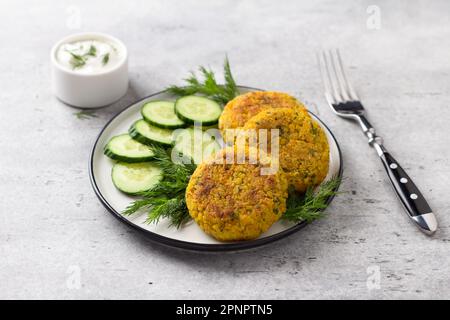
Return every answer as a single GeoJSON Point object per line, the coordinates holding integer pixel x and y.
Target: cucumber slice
{"type": "Point", "coordinates": [133, 178]}
{"type": "Point", "coordinates": [194, 144]}
{"type": "Point", "coordinates": [202, 110]}
{"type": "Point", "coordinates": [161, 114]}
{"type": "Point", "coordinates": [148, 134]}
{"type": "Point", "coordinates": [124, 148]}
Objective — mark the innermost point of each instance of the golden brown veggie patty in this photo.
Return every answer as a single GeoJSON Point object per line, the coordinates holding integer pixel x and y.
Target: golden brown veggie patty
{"type": "Point", "coordinates": [239, 110]}
{"type": "Point", "coordinates": [303, 145]}
{"type": "Point", "coordinates": [234, 201]}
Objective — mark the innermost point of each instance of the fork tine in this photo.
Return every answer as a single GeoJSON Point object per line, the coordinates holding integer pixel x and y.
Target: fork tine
{"type": "Point", "coordinates": [345, 85]}
{"type": "Point", "coordinates": [325, 78]}
{"type": "Point", "coordinates": [332, 76]}
{"type": "Point", "coordinates": [338, 77]}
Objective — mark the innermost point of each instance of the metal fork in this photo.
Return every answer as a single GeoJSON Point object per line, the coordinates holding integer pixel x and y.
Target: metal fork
{"type": "Point", "coordinates": [345, 103]}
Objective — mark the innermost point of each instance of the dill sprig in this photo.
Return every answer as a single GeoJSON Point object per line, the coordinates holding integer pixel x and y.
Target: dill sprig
{"type": "Point", "coordinates": [310, 206]}
{"type": "Point", "coordinates": [105, 59]}
{"type": "Point", "coordinates": [174, 209]}
{"type": "Point", "coordinates": [208, 86]}
{"type": "Point", "coordinates": [92, 51]}
{"type": "Point", "coordinates": [85, 114]}
{"type": "Point", "coordinates": [166, 199]}
{"type": "Point", "coordinates": [77, 61]}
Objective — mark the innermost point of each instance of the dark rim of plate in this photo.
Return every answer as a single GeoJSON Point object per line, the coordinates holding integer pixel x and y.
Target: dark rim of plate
{"type": "Point", "coordinates": [233, 246]}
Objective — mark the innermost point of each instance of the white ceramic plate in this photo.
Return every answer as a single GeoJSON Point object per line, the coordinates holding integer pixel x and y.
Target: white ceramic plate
{"type": "Point", "coordinates": [190, 236]}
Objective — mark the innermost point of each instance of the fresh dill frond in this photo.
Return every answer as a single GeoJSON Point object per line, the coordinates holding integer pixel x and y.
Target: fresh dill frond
{"type": "Point", "coordinates": [230, 84]}
{"type": "Point", "coordinates": [309, 207]}
{"type": "Point", "coordinates": [85, 114]}
{"type": "Point", "coordinates": [137, 205]}
{"type": "Point", "coordinates": [174, 209]}
{"type": "Point", "coordinates": [77, 61]}
{"type": "Point", "coordinates": [105, 59]}
{"type": "Point", "coordinates": [166, 199]}
{"type": "Point", "coordinates": [207, 85]}
{"type": "Point", "coordinates": [92, 51]}
{"type": "Point", "coordinates": [172, 170]}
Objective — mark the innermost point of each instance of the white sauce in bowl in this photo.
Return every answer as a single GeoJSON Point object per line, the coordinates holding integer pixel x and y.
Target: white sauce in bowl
{"type": "Point", "coordinates": [88, 56]}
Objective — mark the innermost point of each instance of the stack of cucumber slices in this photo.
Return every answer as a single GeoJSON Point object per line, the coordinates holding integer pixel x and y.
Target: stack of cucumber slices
{"type": "Point", "coordinates": [167, 124]}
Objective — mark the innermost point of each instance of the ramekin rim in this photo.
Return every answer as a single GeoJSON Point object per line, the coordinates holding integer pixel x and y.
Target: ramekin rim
{"type": "Point", "coordinates": [86, 35]}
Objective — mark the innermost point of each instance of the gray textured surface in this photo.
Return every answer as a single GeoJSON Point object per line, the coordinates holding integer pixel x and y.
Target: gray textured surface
{"type": "Point", "coordinates": [52, 224]}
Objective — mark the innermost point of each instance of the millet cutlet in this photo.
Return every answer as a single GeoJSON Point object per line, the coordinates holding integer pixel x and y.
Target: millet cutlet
{"type": "Point", "coordinates": [235, 201]}
{"type": "Point", "coordinates": [242, 108]}
{"type": "Point", "coordinates": [303, 145]}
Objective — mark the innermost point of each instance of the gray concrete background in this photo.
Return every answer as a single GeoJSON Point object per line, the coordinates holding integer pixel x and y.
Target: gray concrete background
{"type": "Point", "coordinates": [53, 229]}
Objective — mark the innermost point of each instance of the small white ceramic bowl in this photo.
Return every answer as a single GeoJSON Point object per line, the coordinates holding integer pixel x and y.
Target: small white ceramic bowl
{"type": "Point", "coordinates": [90, 90]}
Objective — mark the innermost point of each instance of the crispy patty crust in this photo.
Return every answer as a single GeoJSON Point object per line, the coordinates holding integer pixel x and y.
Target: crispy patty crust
{"type": "Point", "coordinates": [242, 108]}
{"type": "Point", "coordinates": [234, 201]}
{"type": "Point", "coordinates": [303, 145]}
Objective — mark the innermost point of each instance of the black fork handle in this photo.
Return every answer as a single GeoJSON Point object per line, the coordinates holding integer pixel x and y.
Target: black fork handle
{"type": "Point", "coordinates": [409, 194]}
